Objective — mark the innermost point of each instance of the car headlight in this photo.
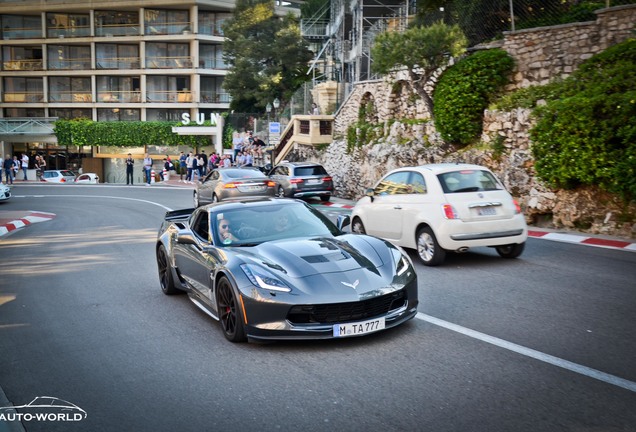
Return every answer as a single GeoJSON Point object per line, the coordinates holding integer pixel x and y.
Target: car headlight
{"type": "Point", "coordinates": [264, 279]}
{"type": "Point", "coordinates": [402, 262]}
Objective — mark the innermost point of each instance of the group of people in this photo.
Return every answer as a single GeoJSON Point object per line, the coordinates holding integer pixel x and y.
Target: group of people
{"type": "Point", "coordinates": [248, 147]}
{"type": "Point", "coordinates": [11, 166]}
{"type": "Point", "coordinates": [197, 165]}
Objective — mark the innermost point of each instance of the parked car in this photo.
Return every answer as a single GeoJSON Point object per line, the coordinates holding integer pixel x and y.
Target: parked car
{"type": "Point", "coordinates": [442, 207]}
{"type": "Point", "coordinates": [225, 183]}
{"type": "Point", "coordinates": [58, 176]}
{"type": "Point", "coordinates": [5, 192]}
{"type": "Point", "coordinates": [302, 179]}
{"type": "Point", "coordinates": [274, 268]}
{"type": "Point", "coordinates": [87, 178]}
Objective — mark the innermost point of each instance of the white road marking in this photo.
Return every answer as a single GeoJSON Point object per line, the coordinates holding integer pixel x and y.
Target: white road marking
{"type": "Point", "coordinates": [555, 361]}
{"type": "Point", "coordinates": [95, 196]}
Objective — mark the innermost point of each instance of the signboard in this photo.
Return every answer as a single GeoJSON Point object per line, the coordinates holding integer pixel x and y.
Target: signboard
{"type": "Point", "coordinates": [274, 128]}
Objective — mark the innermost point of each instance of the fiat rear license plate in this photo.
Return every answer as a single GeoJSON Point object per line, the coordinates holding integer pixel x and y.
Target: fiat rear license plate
{"type": "Point", "coordinates": [487, 211]}
{"type": "Point", "coordinates": [359, 328]}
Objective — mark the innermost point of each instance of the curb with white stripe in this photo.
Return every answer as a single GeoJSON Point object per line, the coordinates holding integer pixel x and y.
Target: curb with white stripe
{"type": "Point", "coordinates": [582, 240]}
{"type": "Point", "coordinates": [31, 218]}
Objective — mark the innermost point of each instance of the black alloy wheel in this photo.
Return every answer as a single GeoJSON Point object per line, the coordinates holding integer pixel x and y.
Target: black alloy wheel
{"type": "Point", "coordinates": [511, 250]}
{"type": "Point", "coordinates": [229, 312]}
{"type": "Point", "coordinates": [165, 274]}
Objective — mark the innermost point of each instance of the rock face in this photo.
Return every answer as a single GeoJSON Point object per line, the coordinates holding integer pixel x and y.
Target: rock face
{"type": "Point", "coordinates": [540, 54]}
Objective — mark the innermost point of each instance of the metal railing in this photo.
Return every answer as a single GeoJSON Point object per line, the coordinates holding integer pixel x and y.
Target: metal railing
{"type": "Point", "coordinates": [19, 97]}
{"type": "Point", "coordinates": [120, 96]}
{"type": "Point", "coordinates": [23, 65]}
{"type": "Point", "coordinates": [183, 96]}
{"type": "Point", "coordinates": [70, 64]}
{"type": "Point", "coordinates": [70, 96]}
{"type": "Point", "coordinates": [168, 62]}
{"type": "Point", "coordinates": [118, 63]}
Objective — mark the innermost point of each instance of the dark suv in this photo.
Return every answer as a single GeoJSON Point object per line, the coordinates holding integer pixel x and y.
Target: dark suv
{"type": "Point", "coordinates": [302, 179]}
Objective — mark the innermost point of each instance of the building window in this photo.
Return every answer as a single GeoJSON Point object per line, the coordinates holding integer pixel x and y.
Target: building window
{"type": "Point", "coordinates": [211, 57]}
{"type": "Point", "coordinates": [118, 114]}
{"type": "Point", "coordinates": [70, 89]}
{"type": "Point", "coordinates": [168, 55]}
{"type": "Point", "coordinates": [118, 89]}
{"type": "Point", "coordinates": [162, 22]}
{"type": "Point", "coordinates": [21, 27]}
{"type": "Point", "coordinates": [69, 57]}
{"type": "Point", "coordinates": [22, 89]}
{"type": "Point", "coordinates": [22, 58]}
{"type": "Point", "coordinates": [163, 114]}
{"type": "Point", "coordinates": [114, 56]}
{"type": "Point", "coordinates": [114, 23]}
{"type": "Point", "coordinates": [71, 113]}
{"type": "Point", "coordinates": [67, 25]}
{"type": "Point", "coordinates": [24, 112]}
{"type": "Point", "coordinates": [168, 89]}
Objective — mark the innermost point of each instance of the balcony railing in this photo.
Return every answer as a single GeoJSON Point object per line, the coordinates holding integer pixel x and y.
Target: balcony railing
{"type": "Point", "coordinates": [170, 28]}
{"type": "Point", "coordinates": [70, 96]}
{"type": "Point", "coordinates": [22, 65]}
{"type": "Point", "coordinates": [169, 62]}
{"type": "Point", "coordinates": [123, 96]}
{"type": "Point", "coordinates": [215, 97]}
{"type": "Point", "coordinates": [210, 29]}
{"type": "Point", "coordinates": [23, 97]}
{"type": "Point", "coordinates": [183, 96]}
{"type": "Point", "coordinates": [71, 32]}
{"type": "Point", "coordinates": [22, 33]}
{"type": "Point", "coordinates": [118, 63]}
{"type": "Point", "coordinates": [212, 64]}
{"type": "Point", "coordinates": [108, 30]}
{"type": "Point", "coordinates": [70, 64]}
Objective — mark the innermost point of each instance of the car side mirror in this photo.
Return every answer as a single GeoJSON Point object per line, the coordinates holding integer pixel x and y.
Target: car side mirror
{"type": "Point", "coordinates": [371, 193]}
{"type": "Point", "coordinates": [185, 237]}
{"type": "Point", "coordinates": [343, 221]}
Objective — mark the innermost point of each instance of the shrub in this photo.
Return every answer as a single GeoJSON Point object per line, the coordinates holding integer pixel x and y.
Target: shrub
{"type": "Point", "coordinates": [464, 92]}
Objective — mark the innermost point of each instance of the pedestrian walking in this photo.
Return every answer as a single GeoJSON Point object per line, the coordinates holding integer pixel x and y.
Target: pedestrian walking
{"type": "Point", "coordinates": [147, 168]}
{"type": "Point", "coordinates": [190, 160]}
{"type": "Point", "coordinates": [130, 166]}
{"type": "Point", "coordinates": [183, 166]}
{"type": "Point", "coordinates": [7, 165]}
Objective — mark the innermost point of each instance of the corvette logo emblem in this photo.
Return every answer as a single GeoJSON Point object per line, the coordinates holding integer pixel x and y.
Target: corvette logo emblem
{"type": "Point", "coordinates": [353, 285]}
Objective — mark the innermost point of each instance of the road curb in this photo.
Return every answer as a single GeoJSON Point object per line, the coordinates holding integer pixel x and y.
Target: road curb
{"type": "Point", "coordinates": [13, 220]}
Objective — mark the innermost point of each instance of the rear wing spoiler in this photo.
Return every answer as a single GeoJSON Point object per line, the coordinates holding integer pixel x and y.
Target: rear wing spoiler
{"type": "Point", "coordinates": [178, 214]}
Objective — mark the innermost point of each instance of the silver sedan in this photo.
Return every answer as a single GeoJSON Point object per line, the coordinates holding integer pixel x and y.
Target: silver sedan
{"type": "Point", "coordinates": [232, 183]}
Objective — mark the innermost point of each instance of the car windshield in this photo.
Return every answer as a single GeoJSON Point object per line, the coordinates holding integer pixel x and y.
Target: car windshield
{"type": "Point", "coordinates": [469, 180]}
{"type": "Point", "coordinates": [67, 173]}
{"type": "Point", "coordinates": [252, 225]}
{"type": "Point", "coordinates": [316, 170]}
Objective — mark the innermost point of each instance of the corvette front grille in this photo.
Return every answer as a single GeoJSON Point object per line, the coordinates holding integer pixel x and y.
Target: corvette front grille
{"type": "Point", "coordinates": [346, 312]}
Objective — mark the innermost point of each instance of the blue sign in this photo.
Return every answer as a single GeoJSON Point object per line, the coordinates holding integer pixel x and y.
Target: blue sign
{"type": "Point", "coordinates": [274, 127]}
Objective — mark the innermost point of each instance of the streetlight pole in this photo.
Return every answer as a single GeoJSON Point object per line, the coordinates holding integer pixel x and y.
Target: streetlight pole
{"type": "Point", "coordinates": [268, 108]}
{"type": "Point", "coordinates": [272, 154]}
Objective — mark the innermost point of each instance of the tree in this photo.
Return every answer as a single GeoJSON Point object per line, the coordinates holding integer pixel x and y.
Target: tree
{"type": "Point", "coordinates": [419, 50]}
{"type": "Point", "coordinates": [267, 55]}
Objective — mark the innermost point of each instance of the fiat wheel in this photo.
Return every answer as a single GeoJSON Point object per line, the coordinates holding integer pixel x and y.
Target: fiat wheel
{"type": "Point", "coordinates": [357, 226]}
{"type": "Point", "coordinates": [428, 249]}
{"type": "Point", "coordinates": [511, 250]}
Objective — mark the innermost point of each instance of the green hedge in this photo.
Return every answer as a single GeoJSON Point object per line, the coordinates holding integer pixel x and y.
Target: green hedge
{"type": "Point", "coordinates": [124, 134]}
{"type": "Point", "coordinates": [587, 136]}
{"type": "Point", "coordinates": [464, 92]}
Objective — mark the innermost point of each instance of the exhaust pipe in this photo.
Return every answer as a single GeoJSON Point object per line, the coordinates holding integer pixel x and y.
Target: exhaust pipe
{"type": "Point", "coordinates": [462, 249]}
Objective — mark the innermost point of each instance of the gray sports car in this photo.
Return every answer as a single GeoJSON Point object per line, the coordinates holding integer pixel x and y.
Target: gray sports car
{"type": "Point", "coordinates": [276, 268]}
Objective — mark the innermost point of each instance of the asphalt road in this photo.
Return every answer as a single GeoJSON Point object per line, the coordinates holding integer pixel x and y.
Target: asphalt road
{"type": "Point", "coordinates": [541, 343]}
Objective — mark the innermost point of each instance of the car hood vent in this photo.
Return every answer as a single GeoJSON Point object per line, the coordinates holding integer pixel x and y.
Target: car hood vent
{"type": "Point", "coordinates": [333, 257]}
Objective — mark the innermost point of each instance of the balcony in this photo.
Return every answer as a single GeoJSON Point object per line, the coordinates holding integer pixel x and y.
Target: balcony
{"type": "Point", "coordinates": [212, 96]}
{"type": "Point", "coordinates": [123, 96]}
{"type": "Point", "coordinates": [118, 63]}
{"type": "Point", "coordinates": [23, 97]}
{"type": "Point", "coordinates": [23, 65]}
{"type": "Point", "coordinates": [183, 96]}
{"type": "Point", "coordinates": [70, 64]}
{"type": "Point", "coordinates": [70, 96]}
{"type": "Point", "coordinates": [212, 64]}
{"type": "Point", "coordinates": [22, 33]}
{"type": "Point", "coordinates": [70, 32]}
{"type": "Point", "coordinates": [184, 62]}
{"type": "Point", "coordinates": [110, 30]}
{"type": "Point", "coordinates": [169, 28]}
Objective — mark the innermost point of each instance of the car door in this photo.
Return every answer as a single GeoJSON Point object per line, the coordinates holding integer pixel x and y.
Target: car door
{"type": "Point", "coordinates": [192, 259]}
{"type": "Point", "coordinates": [280, 175]}
{"type": "Point", "coordinates": [206, 187]}
{"type": "Point", "coordinates": [384, 215]}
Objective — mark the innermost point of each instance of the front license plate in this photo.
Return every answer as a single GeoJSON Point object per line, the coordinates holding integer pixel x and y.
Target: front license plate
{"type": "Point", "coordinates": [486, 211]}
{"type": "Point", "coordinates": [354, 329]}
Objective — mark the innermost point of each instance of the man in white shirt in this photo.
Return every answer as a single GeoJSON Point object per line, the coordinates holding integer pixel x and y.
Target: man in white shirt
{"type": "Point", "coordinates": [25, 165]}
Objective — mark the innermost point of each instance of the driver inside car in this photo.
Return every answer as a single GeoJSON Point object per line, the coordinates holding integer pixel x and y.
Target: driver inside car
{"type": "Point", "coordinates": [225, 233]}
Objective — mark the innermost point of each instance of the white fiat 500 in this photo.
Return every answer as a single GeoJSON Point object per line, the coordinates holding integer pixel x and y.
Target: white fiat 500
{"type": "Point", "coordinates": [442, 207]}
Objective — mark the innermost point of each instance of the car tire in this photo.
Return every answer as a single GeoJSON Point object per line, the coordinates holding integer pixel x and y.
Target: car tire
{"type": "Point", "coordinates": [195, 198]}
{"type": "Point", "coordinates": [230, 315]}
{"type": "Point", "coordinates": [325, 198]}
{"type": "Point", "coordinates": [357, 227]}
{"type": "Point", "coordinates": [511, 250]}
{"type": "Point", "coordinates": [165, 273]}
{"type": "Point", "coordinates": [280, 193]}
{"type": "Point", "coordinates": [215, 198]}
{"type": "Point", "coordinates": [428, 249]}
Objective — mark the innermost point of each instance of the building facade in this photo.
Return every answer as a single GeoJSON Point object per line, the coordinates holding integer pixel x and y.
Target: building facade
{"type": "Point", "coordinates": [115, 60]}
